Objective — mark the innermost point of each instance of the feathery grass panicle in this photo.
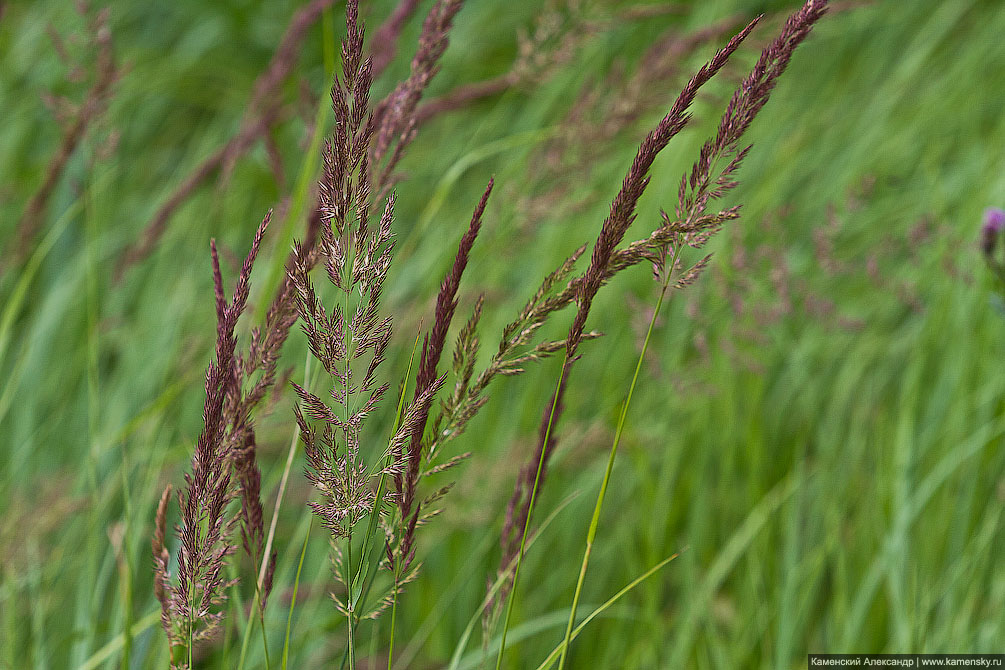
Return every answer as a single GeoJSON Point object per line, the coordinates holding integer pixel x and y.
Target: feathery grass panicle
{"type": "Point", "coordinates": [622, 213]}
{"type": "Point", "coordinates": [239, 403]}
{"type": "Point", "coordinates": [432, 350]}
{"type": "Point", "coordinates": [395, 116]}
{"type": "Point", "coordinates": [604, 263]}
{"type": "Point", "coordinates": [703, 185]}
{"type": "Point", "coordinates": [511, 355]}
{"type": "Point", "coordinates": [692, 223]}
{"type": "Point", "coordinates": [351, 339]}
{"type": "Point", "coordinates": [693, 228]}
{"type": "Point", "coordinates": [357, 258]}
{"type": "Point", "coordinates": [76, 118]}
{"type": "Point", "coordinates": [191, 609]}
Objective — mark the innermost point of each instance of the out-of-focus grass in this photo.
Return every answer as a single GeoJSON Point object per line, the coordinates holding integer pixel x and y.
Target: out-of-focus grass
{"type": "Point", "coordinates": [834, 468]}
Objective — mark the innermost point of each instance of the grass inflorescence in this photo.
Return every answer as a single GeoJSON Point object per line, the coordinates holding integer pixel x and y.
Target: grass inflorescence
{"type": "Point", "coordinates": [319, 523]}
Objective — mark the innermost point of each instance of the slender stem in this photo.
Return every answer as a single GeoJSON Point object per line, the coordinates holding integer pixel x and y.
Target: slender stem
{"type": "Point", "coordinates": [381, 484]}
{"type": "Point", "coordinates": [530, 511]}
{"type": "Point", "coordinates": [293, 600]}
{"type": "Point", "coordinates": [394, 616]}
{"type": "Point", "coordinates": [591, 534]}
{"type": "Point", "coordinates": [255, 609]}
{"type": "Point", "coordinates": [348, 612]}
{"type": "Point", "coordinates": [282, 482]}
{"type": "Point", "coordinates": [261, 619]}
{"type": "Point", "coordinates": [547, 663]}
{"type": "Point", "coordinates": [272, 533]}
{"type": "Point", "coordinates": [503, 576]}
{"type": "Point", "coordinates": [368, 583]}
{"type": "Point", "coordinates": [349, 261]}
{"type": "Point", "coordinates": [126, 567]}
{"type": "Point", "coordinates": [191, 596]}
{"type": "Point", "coordinates": [265, 638]}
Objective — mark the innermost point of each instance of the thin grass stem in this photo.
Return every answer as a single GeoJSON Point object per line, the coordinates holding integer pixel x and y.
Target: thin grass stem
{"type": "Point", "coordinates": [272, 533]}
{"type": "Point", "coordinates": [530, 511]}
{"type": "Point", "coordinates": [591, 534]}
{"type": "Point", "coordinates": [366, 583]}
{"type": "Point", "coordinates": [547, 663]}
{"type": "Point", "coordinates": [293, 600]}
{"type": "Point", "coordinates": [382, 480]}
{"type": "Point", "coordinates": [394, 612]}
{"type": "Point", "coordinates": [349, 611]}
{"type": "Point", "coordinates": [283, 481]}
{"type": "Point", "coordinates": [462, 642]}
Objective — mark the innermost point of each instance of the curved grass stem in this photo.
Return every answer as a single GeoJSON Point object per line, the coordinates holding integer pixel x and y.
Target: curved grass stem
{"type": "Point", "coordinates": [293, 600]}
{"type": "Point", "coordinates": [530, 510]}
{"type": "Point", "coordinates": [591, 534]}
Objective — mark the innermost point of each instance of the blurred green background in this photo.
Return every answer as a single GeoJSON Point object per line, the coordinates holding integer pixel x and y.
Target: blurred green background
{"type": "Point", "coordinates": [819, 424]}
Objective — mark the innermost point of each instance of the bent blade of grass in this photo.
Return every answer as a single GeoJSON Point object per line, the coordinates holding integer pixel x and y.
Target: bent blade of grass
{"type": "Point", "coordinates": [727, 559]}
{"type": "Point", "coordinates": [547, 662]}
{"type": "Point", "coordinates": [986, 436]}
{"type": "Point", "coordinates": [462, 642]}
{"type": "Point", "coordinates": [530, 509]}
{"type": "Point", "coordinates": [438, 610]}
{"type": "Point", "coordinates": [25, 277]}
{"type": "Point", "coordinates": [591, 534]}
{"type": "Point", "coordinates": [117, 642]}
{"type": "Point", "coordinates": [457, 170]}
{"type": "Point", "coordinates": [528, 629]}
{"type": "Point", "coordinates": [15, 302]}
{"type": "Point", "coordinates": [293, 600]}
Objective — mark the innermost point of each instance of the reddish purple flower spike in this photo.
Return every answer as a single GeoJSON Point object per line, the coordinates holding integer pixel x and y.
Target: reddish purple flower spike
{"type": "Point", "coordinates": [994, 225]}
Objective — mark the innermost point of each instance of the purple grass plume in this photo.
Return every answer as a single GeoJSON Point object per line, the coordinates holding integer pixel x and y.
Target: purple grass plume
{"type": "Point", "coordinates": [193, 607]}
{"type": "Point", "coordinates": [709, 179]}
{"type": "Point", "coordinates": [350, 339]}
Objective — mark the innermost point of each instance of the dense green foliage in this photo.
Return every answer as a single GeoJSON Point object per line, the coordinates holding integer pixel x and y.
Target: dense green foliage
{"type": "Point", "coordinates": [820, 423]}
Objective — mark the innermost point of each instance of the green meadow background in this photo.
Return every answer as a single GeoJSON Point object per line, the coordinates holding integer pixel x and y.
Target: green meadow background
{"type": "Point", "coordinates": [818, 427]}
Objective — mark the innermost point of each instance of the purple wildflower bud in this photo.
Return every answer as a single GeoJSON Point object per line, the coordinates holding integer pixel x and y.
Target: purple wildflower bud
{"type": "Point", "coordinates": [994, 224]}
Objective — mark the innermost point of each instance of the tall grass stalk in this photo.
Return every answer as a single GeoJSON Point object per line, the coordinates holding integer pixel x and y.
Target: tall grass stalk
{"type": "Point", "coordinates": [499, 583]}
{"type": "Point", "coordinates": [550, 659]}
{"type": "Point", "coordinates": [375, 513]}
{"type": "Point", "coordinates": [281, 493]}
{"type": "Point", "coordinates": [591, 534]}
{"type": "Point", "coordinates": [296, 588]}
{"type": "Point", "coordinates": [256, 615]}
{"type": "Point", "coordinates": [530, 510]}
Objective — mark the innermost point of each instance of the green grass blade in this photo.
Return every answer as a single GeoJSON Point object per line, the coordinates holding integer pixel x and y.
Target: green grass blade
{"type": "Point", "coordinates": [462, 642]}
{"type": "Point", "coordinates": [116, 643]}
{"type": "Point", "coordinates": [293, 600]}
{"type": "Point", "coordinates": [547, 662]}
{"type": "Point", "coordinates": [530, 512]}
{"type": "Point", "coordinates": [591, 534]}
